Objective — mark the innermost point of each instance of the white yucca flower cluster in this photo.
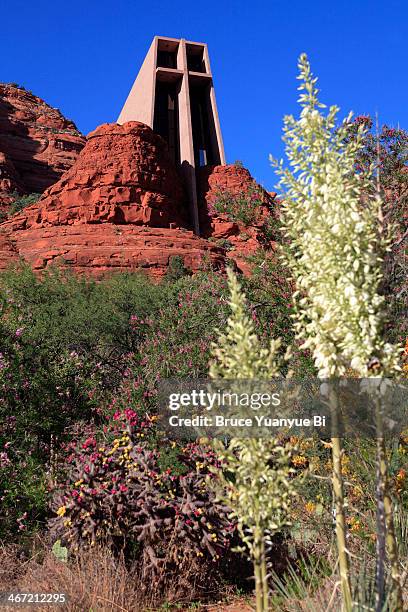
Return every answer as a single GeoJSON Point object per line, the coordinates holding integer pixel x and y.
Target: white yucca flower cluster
{"type": "Point", "coordinates": [238, 352]}
{"type": "Point", "coordinates": [256, 481]}
{"type": "Point", "coordinates": [335, 243]}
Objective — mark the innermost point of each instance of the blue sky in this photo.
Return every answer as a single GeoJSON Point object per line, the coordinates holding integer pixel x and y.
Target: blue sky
{"type": "Point", "coordinates": [82, 57]}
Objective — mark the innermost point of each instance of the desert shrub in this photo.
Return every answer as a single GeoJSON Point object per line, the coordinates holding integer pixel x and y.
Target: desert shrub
{"type": "Point", "coordinates": [243, 207]}
{"type": "Point", "coordinates": [36, 405]}
{"type": "Point", "coordinates": [223, 243]}
{"type": "Point", "coordinates": [248, 208]}
{"type": "Point", "coordinates": [60, 310]}
{"type": "Point", "coordinates": [177, 341]}
{"type": "Point", "coordinates": [176, 268]}
{"type": "Point", "coordinates": [21, 202]}
{"type": "Point", "coordinates": [271, 304]}
{"type": "Point", "coordinates": [63, 342]}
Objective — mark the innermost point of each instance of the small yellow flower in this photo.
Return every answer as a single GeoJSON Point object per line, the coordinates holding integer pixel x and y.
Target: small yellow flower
{"type": "Point", "coordinates": [327, 444]}
{"type": "Point", "coordinates": [61, 510]}
{"type": "Point", "coordinates": [310, 507]}
{"type": "Point", "coordinates": [354, 524]}
{"type": "Point", "coordinates": [299, 461]}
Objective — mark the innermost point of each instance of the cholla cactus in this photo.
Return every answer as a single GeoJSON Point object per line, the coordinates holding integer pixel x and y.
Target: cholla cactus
{"type": "Point", "coordinates": [335, 251]}
{"type": "Point", "coordinates": [255, 481]}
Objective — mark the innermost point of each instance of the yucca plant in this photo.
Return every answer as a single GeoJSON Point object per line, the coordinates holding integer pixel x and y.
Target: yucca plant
{"type": "Point", "coordinates": [335, 252]}
{"type": "Point", "coordinates": [255, 481]}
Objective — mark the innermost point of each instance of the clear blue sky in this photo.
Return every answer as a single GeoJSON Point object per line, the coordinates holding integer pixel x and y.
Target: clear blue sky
{"type": "Point", "coordinates": [83, 55]}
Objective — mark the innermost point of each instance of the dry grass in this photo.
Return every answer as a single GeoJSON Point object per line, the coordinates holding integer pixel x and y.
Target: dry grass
{"type": "Point", "coordinates": [96, 581]}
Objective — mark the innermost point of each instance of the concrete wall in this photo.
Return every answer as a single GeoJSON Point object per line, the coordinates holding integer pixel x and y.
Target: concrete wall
{"type": "Point", "coordinates": [139, 106]}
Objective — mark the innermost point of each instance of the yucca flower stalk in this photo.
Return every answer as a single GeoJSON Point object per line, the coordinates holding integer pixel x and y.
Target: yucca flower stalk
{"type": "Point", "coordinates": [255, 480]}
{"type": "Point", "coordinates": [335, 251]}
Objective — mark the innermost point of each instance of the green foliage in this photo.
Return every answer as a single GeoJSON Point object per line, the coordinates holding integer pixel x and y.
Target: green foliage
{"type": "Point", "coordinates": [270, 290]}
{"type": "Point", "coordinates": [60, 311]}
{"type": "Point", "coordinates": [224, 243]}
{"type": "Point", "coordinates": [248, 208]}
{"type": "Point", "coordinates": [176, 268]}
{"type": "Point", "coordinates": [21, 202]}
{"type": "Point", "coordinates": [63, 342]}
{"type": "Point", "coordinates": [243, 208]}
{"type": "Point", "coordinates": [179, 339]}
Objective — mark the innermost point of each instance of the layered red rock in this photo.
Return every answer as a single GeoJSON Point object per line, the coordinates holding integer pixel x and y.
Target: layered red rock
{"type": "Point", "coordinates": [37, 143]}
{"type": "Point", "coordinates": [120, 207]}
{"type": "Point", "coordinates": [8, 252]}
{"type": "Point", "coordinates": [243, 240]}
{"type": "Point", "coordinates": [96, 250]}
{"type": "Point", "coordinates": [123, 176]}
{"type": "Point", "coordinates": [9, 183]}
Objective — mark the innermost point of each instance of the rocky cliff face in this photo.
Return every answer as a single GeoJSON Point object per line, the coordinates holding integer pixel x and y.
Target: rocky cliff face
{"type": "Point", "coordinates": [243, 240]}
{"type": "Point", "coordinates": [120, 207]}
{"type": "Point", "coordinates": [37, 144]}
{"type": "Point", "coordinates": [119, 203]}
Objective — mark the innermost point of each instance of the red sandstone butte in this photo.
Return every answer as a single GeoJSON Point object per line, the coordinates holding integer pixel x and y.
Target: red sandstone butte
{"type": "Point", "coordinates": [120, 207]}
{"type": "Point", "coordinates": [245, 241]}
{"type": "Point", "coordinates": [37, 143]}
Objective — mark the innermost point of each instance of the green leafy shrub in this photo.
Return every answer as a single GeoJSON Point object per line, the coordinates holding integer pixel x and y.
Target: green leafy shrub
{"type": "Point", "coordinates": [22, 202]}
{"type": "Point", "coordinates": [176, 268]}
{"type": "Point", "coordinates": [243, 208]}
{"type": "Point", "coordinates": [248, 208]}
{"type": "Point", "coordinates": [63, 346]}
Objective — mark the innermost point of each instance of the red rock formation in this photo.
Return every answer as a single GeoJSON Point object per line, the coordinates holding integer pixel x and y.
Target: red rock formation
{"type": "Point", "coordinates": [123, 176]}
{"type": "Point", "coordinates": [8, 251]}
{"type": "Point", "coordinates": [244, 240]}
{"type": "Point", "coordinates": [9, 183]}
{"type": "Point", "coordinates": [96, 250]}
{"type": "Point", "coordinates": [37, 144]}
{"type": "Point", "coordinates": [120, 207]}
